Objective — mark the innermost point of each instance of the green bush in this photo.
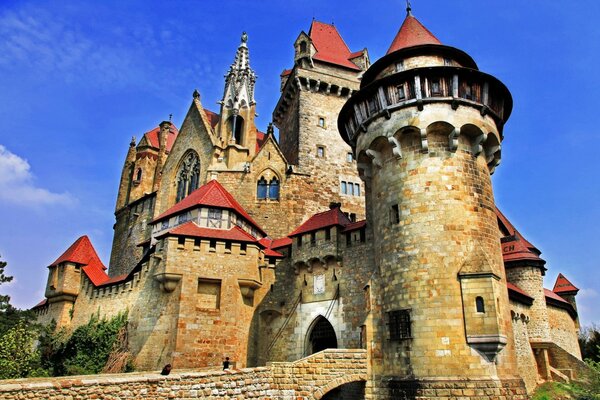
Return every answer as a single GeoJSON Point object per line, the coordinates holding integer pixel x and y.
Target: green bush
{"type": "Point", "coordinates": [85, 351]}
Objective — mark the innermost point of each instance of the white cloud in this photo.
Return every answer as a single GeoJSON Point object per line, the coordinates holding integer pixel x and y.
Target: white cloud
{"type": "Point", "coordinates": [17, 184]}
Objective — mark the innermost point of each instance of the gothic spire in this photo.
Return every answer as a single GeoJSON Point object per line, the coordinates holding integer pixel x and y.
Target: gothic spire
{"type": "Point", "coordinates": [240, 79]}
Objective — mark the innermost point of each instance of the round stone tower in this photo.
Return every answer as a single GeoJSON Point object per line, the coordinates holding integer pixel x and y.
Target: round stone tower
{"type": "Point", "coordinates": [426, 127]}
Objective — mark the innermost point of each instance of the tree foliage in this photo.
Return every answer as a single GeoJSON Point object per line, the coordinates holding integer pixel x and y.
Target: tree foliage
{"type": "Point", "coordinates": [85, 351]}
{"type": "Point", "coordinates": [589, 341]}
{"type": "Point", "coordinates": [18, 353]}
{"type": "Point", "coordinates": [4, 299]}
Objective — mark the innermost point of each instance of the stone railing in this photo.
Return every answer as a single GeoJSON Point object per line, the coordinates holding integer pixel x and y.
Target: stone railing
{"type": "Point", "coordinates": [308, 378]}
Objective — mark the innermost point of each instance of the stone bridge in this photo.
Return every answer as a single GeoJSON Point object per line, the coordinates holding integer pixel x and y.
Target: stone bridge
{"type": "Point", "coordinates": [309, 378]}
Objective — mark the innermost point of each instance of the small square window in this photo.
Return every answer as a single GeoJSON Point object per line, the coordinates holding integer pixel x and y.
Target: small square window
{"type": "Point", "coordinates": [320, 151]}
{"type": "Point", "coordinates": [349, 157]}
{"type": "Point", "coordinates": [243, 248]}
{"type": "Point", "coordinates": [228, 247]}
{"type": "Point", "coordinates": [164, 225]}
{"type": "Point", "coordinates": [322, 122]}
{"type": "Point", "coordinates": [212, 245]}
{"type": "Point", "coordinates": [181, 241]}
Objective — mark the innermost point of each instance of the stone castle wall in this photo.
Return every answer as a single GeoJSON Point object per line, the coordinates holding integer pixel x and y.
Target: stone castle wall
{"type": "Point", "coordinates": [564, 330]}
{"type": "Point", "coordinates": [527, 366]}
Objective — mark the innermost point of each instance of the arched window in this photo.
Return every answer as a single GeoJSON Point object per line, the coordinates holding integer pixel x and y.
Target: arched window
{"type": "Point", "coordinates": [188, 176]}
{"type": "Point", "coordinates": [267, 189]}
{"type": "Point", "coordinates": [479, 305]}
{"type": "Point", "coordinates": [237, 129]}
{"type": "Point", "coordinates": [274, 189]}
{"type": "Point", "coordinates": [261, 189]}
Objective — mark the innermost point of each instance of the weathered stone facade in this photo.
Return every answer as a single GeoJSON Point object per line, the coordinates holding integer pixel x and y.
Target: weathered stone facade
{"type": "Point", "coordinates": [229, 243]}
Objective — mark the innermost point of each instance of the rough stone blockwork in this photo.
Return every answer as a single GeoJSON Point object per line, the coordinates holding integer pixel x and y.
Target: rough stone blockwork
{"type": "Point", "coordinates": [309, 378]}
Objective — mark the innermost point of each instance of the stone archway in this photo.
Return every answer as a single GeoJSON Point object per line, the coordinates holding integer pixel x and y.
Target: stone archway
{"type": "Point", "coordinates": [322, 336]}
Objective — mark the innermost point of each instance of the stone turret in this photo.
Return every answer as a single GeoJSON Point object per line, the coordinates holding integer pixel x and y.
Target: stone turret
{"type": "Point", "coordinates": [426, 126]}
{"type": "Point", "coordinates": [163, 134]}
{"type": "Point", "coordinates": [126, 176]}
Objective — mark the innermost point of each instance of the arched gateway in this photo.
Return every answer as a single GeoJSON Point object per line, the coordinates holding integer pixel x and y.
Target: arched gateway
{"type": "Point", "coordinates": [322, 336]}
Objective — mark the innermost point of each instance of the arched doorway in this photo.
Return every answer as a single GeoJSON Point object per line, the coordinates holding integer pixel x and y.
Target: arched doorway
{"type": "Point", "coordinates": [322, 336]}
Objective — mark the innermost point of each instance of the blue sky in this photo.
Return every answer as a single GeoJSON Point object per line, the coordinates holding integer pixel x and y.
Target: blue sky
{"type": "Point", "coordinates": [80, 78]}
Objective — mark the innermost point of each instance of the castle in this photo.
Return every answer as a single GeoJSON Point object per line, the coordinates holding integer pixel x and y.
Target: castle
{"type": "Point", "coordinates": [370, 224]}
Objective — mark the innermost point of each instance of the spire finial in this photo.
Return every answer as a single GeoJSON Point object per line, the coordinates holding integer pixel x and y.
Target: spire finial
{"type": "Point", "coordinates": [244, 37]}
{"type": "Point", "coordinates": [408, 8]}
{"type": "Point", "coordinates": [196, 94]}
{"type": "Point", "coordinates": [170, 117]}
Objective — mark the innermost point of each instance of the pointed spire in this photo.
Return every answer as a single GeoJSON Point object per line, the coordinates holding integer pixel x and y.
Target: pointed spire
{"type": "Point", "coordinates": [412, 33]}
{"type": "Point", "coordinates": [240, 79]}
{"type": "Point", "coordinates": [564, 286]}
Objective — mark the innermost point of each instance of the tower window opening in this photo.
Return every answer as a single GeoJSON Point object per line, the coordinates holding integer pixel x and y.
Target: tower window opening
{"type": "Point", "coordinates": [237, 129]}
{"type": "Point", "coordinates": [357, 189]}
{"type": "Point", "coordinates": [243, 248]}
{"type": "Point", "coordinates": [395, 214]}
{"type": "Point", "coordinates": [479, 304]}
{"type": "Point", "coordinates": [399, 324]}
{"type": "Point", "coordinates": [181, 241]}
{"type": "Point", "coordinates": [400, 92]}
{"type": "Point", "coordinates": [328, 234]}
{"type": "Point", "coordinates": [322, 122]}
{"type": "Point", "coordinates": [349, 157]}
{"type": "Point", "coordinates": [320, 151]}
{"type": "Point", "coordinates": [344, 187]}
{"type": "Point", "coordinates": [436, 87]}
{"type": "Point", "coordinates": [299, 243]}
{"type": "Point", "coordinates": [303, 47]}
{"type": "Point", "coordinates": [138, 175]}
{"type": "Point", "coordinates": [313, 238]}
{"type": "Point", "coordinates": [373, 105]}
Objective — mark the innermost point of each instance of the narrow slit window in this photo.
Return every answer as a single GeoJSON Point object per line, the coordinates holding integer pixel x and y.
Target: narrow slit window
{"type": "Point", "coordinates": [395, 214]}
{"type": "Point", "coordinates": [479, 304]}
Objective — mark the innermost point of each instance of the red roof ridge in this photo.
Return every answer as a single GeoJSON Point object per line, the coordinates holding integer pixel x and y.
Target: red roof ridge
{"type": "Point", "coordinates": [563, 285]}
{"type": "Point", "coordinates": [281, 242]}
{"type": "Point", "coordinates": [412, 33]}
{"type": "Point", "coordinates": [551, 295]}
{"type": "Point", "coordinates": [355, 225]}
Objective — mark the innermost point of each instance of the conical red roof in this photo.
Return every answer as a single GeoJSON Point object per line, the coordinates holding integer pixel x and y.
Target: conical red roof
{"type": "Point", "coordinates": [322, 220]}
{"type": "Point", "coordinates": [83, 253]}
{"type": "Point", "coordinates": [412, 33]}
{"type": "Point", "coordinates": [563, 285]}
{"type": "Point", "coordinates": [330, 46]}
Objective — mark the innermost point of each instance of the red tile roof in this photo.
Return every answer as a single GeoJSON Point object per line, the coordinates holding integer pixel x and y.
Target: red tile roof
{"type": "Point", "coordinates": [190, 228]}
{"type": "Point", "coordinates": [152, 137]}
{"type": "Point", "coordinates": [267, 243]}
{"type": "Point", "coordinates": [260, 139]}
{"type": "Point", "coordinates": [355, 225]}
{"type": "Point", "coordinates": [83, 253]}
{"type": "Point", "coordinates": [213, 118]}
{"type": "Point", "coordinates": [514, 246]}
{"type": "Point", "coordinates": [41, 303]}
{"type": "Point", "coordinates": [515, 288]}
{"type": "Point", "coordinates": [330, 46]}
{"type": "Point", "coordinates": [286, 72]}
{"type": "Point", "coordinates": [551, 295]}
{"type": "Point", "coordinates": [563, 285]}
{"type": "Point", "coordinates": [282, 242]}
{"type": "Point", "coordinates": [322, 220]}
{"type": "Point", "coordinates": [412, 33]}
{"type": "Point", "coordinates": [212, 195]}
